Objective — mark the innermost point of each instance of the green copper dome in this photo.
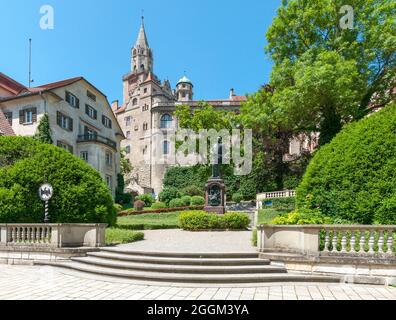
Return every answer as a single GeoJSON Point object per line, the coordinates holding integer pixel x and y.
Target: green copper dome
{"type": "Point", "coordinates": [184, 80]}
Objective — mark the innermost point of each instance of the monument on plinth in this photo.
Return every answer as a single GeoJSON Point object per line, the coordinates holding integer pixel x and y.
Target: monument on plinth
{"type": "Point", "coordinates": [215, 189]}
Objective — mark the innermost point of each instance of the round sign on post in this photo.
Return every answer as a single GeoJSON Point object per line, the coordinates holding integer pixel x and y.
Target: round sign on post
{"type": "Point", "coordinates": [45, 193]}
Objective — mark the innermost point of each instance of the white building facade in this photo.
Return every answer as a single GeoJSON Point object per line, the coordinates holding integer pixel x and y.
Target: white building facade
{"type": "Point", "coordinates": [80, 117]}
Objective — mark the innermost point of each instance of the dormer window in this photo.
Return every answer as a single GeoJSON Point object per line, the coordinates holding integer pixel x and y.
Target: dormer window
{"type": "Point", "coordinates": [91, 96]}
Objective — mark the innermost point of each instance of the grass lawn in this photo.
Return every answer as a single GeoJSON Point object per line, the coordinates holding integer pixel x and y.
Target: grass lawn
{"type": "Point", "coordinates": [120, 236]}
{"type": "Point", "coordinates": [265, 216]}
{"type": "Point", "coordinates": [150, 221]}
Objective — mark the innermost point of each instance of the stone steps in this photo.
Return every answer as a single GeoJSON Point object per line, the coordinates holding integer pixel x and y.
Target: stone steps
{"type": "Point", "coordinates": [152, 259]}
{"type": "Point", "coordinates": [171, 267]}
{"type": "Point", "coordinates": [196, 278]}
{"type": "Point", "coordinates": [199, 269]}
{"type": "Point", "coordinates": [211, 255]}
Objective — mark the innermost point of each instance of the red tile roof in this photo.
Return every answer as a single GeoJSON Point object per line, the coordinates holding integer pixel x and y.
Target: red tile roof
{"type": "Point", "coordinates": [11, 85]}
{"type": "Point", "coordinates": [54, 85]}
{"type": "Point", "coordinates": [239, 98]}
{"type": "Point", "coordinates": [5, 128]}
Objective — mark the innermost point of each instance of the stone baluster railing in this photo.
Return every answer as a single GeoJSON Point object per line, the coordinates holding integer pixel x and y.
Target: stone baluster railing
{"type": "Point", "coordinates": [273, 195]}
{"type": "Point", "coordinates": [359, 239]}
{"type": "Point", "coordinates": [29, 234]}
{"type": "Point", "coordinates": [53, 235]}
{"type": "Point", "coordinates": [328, 239]}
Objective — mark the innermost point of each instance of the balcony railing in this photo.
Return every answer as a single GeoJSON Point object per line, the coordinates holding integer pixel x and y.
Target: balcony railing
{"type": "Point", "coordinates": [97, 138]}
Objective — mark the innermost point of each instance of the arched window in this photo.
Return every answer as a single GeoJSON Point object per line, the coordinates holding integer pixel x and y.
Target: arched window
{"type": "Point", "coordinates": [142, 67]}
{"type": "Point", "coordinates": [166, 147]}
{"type": "Point", "coordinates": [135, 102]}
{"type": "Point", "coordinates": [166, 121]}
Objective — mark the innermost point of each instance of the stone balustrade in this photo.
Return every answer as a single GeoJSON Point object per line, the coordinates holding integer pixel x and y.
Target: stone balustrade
{"type": "Point", "coordinates": [52, 235]}
{"type": "Point", "coordinates": [322, 240]}
{"type": "Point", "coordinates": [273, 195]}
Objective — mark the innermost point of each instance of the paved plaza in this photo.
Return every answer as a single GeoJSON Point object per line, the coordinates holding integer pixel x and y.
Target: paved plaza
{"type": "Point", "coordinates": [49, 283]}
{"type": "Point", "coordinates": [176, 240]}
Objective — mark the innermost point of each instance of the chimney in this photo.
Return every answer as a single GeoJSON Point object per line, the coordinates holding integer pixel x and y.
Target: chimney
{"type": "Point", "coordinates": [232, 94]}
{"type": "Point", "coordinates": [114, 105]}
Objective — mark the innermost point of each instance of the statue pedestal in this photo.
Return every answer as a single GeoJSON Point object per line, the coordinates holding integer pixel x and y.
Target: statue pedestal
{"type": "Point", "coordinates": [215, 196]}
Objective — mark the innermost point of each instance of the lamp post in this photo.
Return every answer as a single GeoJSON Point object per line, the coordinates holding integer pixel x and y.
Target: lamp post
{"type": "Point", "coordinates": [45, 193]}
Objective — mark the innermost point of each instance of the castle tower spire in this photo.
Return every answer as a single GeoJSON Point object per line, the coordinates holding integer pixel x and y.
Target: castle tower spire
{"type": "Point", "coordinates": [142, 38]}
{"type": "Point", "coordinates": [142, 55]}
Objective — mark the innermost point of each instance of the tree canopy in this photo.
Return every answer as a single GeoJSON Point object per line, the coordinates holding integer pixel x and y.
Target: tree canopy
{"type": "Point", "coordinates": [80, 194]}
{"type": "Point", "coordinates": [353, 177]}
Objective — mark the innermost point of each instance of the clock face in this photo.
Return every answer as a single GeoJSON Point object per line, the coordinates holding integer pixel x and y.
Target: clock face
{"type": "Point", "coordinates": [46, 192]}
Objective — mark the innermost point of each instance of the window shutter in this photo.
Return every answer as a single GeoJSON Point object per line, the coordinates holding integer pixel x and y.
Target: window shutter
{"type": "Point", "coordinates": [58, 118]}
{"type": "Point", "coordinates": [34, 115]}
{"type": "Point", "coordinates": [70, 149]}
{"type": "Point", "coordinates": [110, 124]}
{"type": "Point", "coordinates": [67, 96]}
{"type": "Point", "coordinates": [21, 116]}
{"type": "Point", "coordinates": [71, 124]}
{"type": "Point", "coordinates": [103, 120]}
{"type": "Point", "coordinates": [86, 109]}
{"type": "Point", "coordinates": [77, 103]}
{"type": "Point", "coordinates": [95, 114]}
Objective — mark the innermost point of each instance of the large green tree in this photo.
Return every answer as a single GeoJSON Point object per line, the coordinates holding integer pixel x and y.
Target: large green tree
{"type": "Point", "coordinates": [325, 75]}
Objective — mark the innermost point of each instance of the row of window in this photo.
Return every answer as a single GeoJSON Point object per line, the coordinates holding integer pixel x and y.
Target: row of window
{"type": "Point", "coordinates": [89, 110]}
{"type": "Point", "coordinates": [165, 148]}
{"type": "Point", "coordinates": [166, 122]}
{"type": "Point", "coordinates": [84, 155]}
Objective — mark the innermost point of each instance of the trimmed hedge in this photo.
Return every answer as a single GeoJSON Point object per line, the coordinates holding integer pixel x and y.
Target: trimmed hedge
{"type": "Point", "coordinates": [186, 200]}
{"type": "Point", "coordinates": [80, 194]}
{"type": "Point", "coordinates": [353, 177]}
{"type": "Point", "coordinates": [201, 220]}
{"type": "Point", "coordinates": [197, 201]}
{"type": "Point", "coordinates": [176, 203]}
{"type": "Point", "coordinates": [132, 212]}
{"type": "Point", "coordinates": [158, 205]}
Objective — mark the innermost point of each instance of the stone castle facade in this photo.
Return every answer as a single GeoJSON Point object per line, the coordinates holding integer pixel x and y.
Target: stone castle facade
{"type": "Point", "coordinates": [148, 109]}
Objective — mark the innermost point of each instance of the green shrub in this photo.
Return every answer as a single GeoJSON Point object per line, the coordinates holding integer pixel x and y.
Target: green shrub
{"type": "Point", "coordinates": [236, 221]}
{"type": "Point", "coordinates": [121, 236]}
{"type": "Point", "coordinates": [304, 216]}
{"type": "Point", "coordinates": [80, 194]}
{"type": "Point", "coordinates": [193, 191]}
{"type": "Point", "coordinates": [148, 199]}
{"type": "Point", "coordinates": [168, 194]}
{"type": "Point", "coordinates": [176, 203]}
{"type": "Point", "coordinates": [139, 205]}
{"type": "Point", "coordinates": [186, 201]}
{"type": "Point", "coordinates": [197, 201]}
{"type": "Point", "coordinates": [284, 204]}
{"type": "Point", "coordinates": [237, 197]}
{"type": "Point", "coordinates": [201, 220]}
{"type": "Point", "coordinates": [158, 205]}
{"type": "Point", "coordinates": [118, 207]}
{"type": "Point", "coordinates": [353, 177]}
{"type": "Point", "coordinates": [254, 238]}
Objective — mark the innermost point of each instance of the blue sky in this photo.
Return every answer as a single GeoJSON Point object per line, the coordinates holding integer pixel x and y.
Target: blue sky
{"type": "Point", "coordinates": [220, 44]}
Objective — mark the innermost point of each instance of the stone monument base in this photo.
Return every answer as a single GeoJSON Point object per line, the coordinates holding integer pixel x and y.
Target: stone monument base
{"type": "Point", "coordinates": [215, 204]}
{"type": "Point", "coordinates": [218, 210]}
